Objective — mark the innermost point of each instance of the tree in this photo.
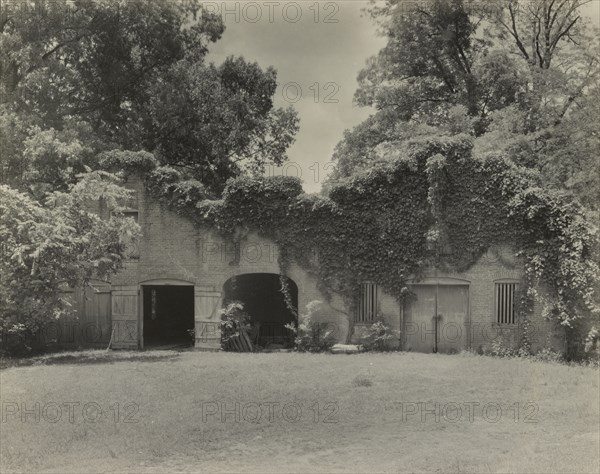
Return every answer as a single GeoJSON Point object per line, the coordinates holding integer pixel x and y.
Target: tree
{"type": "Point", "coordinates": [435, 59]}
{"type": "Point", "coordinates": [88, 86]}
{"type": "Point", "coordinates": [519, 76]}
{"type": "Point", "coordinates": [47, 248]}
{"type": "Point", "coordinates": [120, 75]}
{"type": "Point", "coordinates": [92, 57]}
{"type": "Point", "coordinates": [216, 122]}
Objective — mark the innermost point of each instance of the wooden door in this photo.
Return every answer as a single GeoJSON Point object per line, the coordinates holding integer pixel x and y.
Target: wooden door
{"type": "Point", "coordinates": [125, 317]}
{"type": "Point", "coordinates": [424, 332]}
{"type": "Point", "coordinates": [453, 308]}
{"type": "Point", "coordinates": [89, 323]}
{"type": "Point", "coordinates": [95, 321]}
{"type": "Point", "coordinates": [207, 319]}
{"type": "Point", "coordinates": [419, 326]}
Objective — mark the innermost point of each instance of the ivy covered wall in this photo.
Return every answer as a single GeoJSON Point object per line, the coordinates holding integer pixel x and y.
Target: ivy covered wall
{"type": "Point", "coordinates": [436, 205]}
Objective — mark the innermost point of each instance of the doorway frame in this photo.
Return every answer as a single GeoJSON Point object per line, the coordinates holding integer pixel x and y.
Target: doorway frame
{"type": "Point", "coordinates": [223, 288]}
{"type": "Point", "coordinates": [439, 281]}
{"type": "Point", "coordinates": [158, 282]}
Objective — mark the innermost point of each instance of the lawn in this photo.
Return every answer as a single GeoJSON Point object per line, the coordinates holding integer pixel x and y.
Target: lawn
{"type": "Point", "coordinates": [167, 411]}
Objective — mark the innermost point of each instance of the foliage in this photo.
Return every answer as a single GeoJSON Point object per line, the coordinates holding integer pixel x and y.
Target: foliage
{"type": "Point", "coordinates": [221, 121]}
{"type": "Point", "coordinates": [378, 337]}
{"type": "Point", "coordinates": [312, 336]}
{"type": "Point", "coordinates": [117, 86]}
{"type": "Point", "coordinates": [592, 341]}
{"type": "Point", "coordinates": [545, 354]}
{"type": "Point", "coordinates": [127, 161]}
{"type": "Point", "coordinates": [110, 83]}
{"type": "Point", "coordinates": [47, 248]}
{"type": "Point", "coordinates": [522, 77]}
{"type": "Point", "coordinates": [436, 58]}
{"type": "Point", "coordinates": [234, 320]}
{"type": "Point", "coordinates": [436, 204]}
{"type": "Point", "coordinates": [500, 349]}
{"type": "Point", "coordinates": [548, 355]}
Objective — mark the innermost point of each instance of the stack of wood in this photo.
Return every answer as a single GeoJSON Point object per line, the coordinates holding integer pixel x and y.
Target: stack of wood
{"type": "Point", "coordinates": [240, 342]}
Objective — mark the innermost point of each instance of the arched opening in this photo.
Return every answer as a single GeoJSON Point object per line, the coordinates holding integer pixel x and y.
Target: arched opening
{"type": "Point", "coordinates": [264, 301]}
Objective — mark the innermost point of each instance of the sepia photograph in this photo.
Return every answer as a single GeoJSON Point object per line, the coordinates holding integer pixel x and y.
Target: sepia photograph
{"type": "Point", "coordinates": [352, 236]}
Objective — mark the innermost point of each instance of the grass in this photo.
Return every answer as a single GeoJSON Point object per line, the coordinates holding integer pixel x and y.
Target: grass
{"type": "Point", "coordinates": [201, 412]}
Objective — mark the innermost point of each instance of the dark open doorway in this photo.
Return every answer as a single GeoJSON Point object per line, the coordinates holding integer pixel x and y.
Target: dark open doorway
{"type": "Point", "coordinates": [168, 315]}
{"type": "Point", "coordinates": [263, 300]}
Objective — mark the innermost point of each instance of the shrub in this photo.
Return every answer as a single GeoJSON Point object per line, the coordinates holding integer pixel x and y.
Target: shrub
{"type": "Point", "coordinates": [378, 337]}
{"type": "Point", "coordinates": [548, 355]}
{"type": "Point", "coordinates": [500, 349]}
{"type": "Point", "coordinates": [312, 336]}
{"type": "Point", "coordinates": [592, 341]}
{"type": "Point", "coordinates": [234, 323]}
{"type": "Point", "coordinates": [47, 248]}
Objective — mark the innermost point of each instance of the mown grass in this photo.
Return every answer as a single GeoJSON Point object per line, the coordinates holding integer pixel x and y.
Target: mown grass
{"type": "Point", "coordinates": [356, 414]}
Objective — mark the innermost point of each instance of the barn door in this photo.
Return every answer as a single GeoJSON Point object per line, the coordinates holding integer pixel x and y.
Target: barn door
{"type": "Point", "coordinates": [207, 319]}
{"type": "Point", "coordinates": [419, 328]}
{"type": "Point", "coordinates": [125, 316]}
{"type": "Point", "coordinates": [89, 323]}
{"type": "Point", "coordinates": [94, 319]}
{"type": "Point", "coordinates": [426, 331]}
{"type": "Point", "coordinates": [453, 307]}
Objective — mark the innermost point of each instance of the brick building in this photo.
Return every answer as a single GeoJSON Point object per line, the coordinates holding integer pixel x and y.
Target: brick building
{"type": "Point", "coordinates": [180, 275]}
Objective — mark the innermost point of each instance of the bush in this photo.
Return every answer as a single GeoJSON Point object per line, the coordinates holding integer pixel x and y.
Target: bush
{"type": "Point", "coordinates": [47, 248]}
{"type": "Point", "coordinates": [548, 355]}
{"type": "Point", "coordinates": [312, 336]}
{"type": "Point", "coordinates": [592, 342]}
{"type": "Point", "coordinates": [378, 337]}
{"type": "Point", "coordinates": [234, 322]}
{"type": "Point", "coordinates": [500, 349]}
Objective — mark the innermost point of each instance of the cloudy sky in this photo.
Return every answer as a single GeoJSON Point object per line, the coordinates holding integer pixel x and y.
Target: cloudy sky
{"type": "Point", "coordinates": [317, 60]}
{"type": "Point", "coordinates": [318, 48]}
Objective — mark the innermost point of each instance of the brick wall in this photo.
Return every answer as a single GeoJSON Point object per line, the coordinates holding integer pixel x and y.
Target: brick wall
{"type": "Point", "coordinates": [173, 249]}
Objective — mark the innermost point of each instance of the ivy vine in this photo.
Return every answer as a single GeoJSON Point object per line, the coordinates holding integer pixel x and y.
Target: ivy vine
{"type": "Point", "coordinates": [436, 205]}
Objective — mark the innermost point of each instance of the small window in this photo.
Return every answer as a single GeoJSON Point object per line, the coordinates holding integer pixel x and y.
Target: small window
{"type": "Point", "coordinates": [132, 214]}
{"type": "Point", "coordinates": [505, 303]}
{"type": "Point", "coordinates": [367, 304]}
{"type": "Point", "coordinates": [132, 250]}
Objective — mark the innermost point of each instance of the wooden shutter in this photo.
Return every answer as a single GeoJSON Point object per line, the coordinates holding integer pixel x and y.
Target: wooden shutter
{"type": "Point", "coordinates": [125, 317]}
{"type": "Point", "coordinates": [207, 319]}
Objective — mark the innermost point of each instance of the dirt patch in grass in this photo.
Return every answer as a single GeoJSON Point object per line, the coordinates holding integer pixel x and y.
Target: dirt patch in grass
{"type": "Point", "coordinates": [88, 357]}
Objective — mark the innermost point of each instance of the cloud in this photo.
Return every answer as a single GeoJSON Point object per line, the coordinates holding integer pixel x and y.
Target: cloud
{"type": "Point", "coordinates": [317, 64]}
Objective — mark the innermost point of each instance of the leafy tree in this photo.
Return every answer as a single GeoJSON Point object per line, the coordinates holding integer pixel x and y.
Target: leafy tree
{"type": "Point", "coordinates": [215, 122]}
{"type": "Point", "coordinates": [435, 59]}
{"type": "Point", "coordinates": [118, 75]}
{"type": "Point", "coordinates": [46, 248]}
{"type": "Point", "coordinates": [88, 86]}
{"type": "Point", "coordinates": [519, 76]}
{"type": "Point", "coordinates": [92, 57]}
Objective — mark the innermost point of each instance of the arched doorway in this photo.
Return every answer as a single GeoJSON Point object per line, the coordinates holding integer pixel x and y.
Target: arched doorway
{"type": "Point", "coordinates": [264, 300]}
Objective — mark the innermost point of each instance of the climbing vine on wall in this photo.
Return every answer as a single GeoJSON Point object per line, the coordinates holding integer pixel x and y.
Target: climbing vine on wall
{"type": "Point", "coordinates": [437, 205]}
